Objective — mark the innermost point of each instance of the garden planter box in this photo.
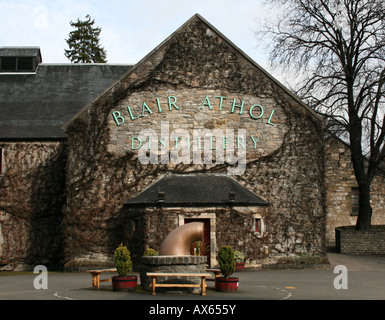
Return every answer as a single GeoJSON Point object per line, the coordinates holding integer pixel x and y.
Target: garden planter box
{"type": "Point", "coordinates": [357, 242]}
{"type": "Point", "coordinates": [229, 284]}
{"type": "Point", "coordinates": [123, 284]}
{"type": "Point", "coordinates": [239, 266]}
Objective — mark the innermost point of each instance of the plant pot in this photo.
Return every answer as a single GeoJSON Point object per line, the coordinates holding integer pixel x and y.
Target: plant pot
{"type": "Point", "coordinates": [123, 284]}
{"type": "Point", "coordinates": [239, 266]}
{"type": "Point", "coordinates": [229, 284]}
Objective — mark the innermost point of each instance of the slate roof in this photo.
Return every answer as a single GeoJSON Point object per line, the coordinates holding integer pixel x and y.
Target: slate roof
{"type": "Point", "coordinates": [21, 52]}
{"type": "Point", "coordinates": [196, 190]}
{"type": "Point", "coordinates": [37, 105]}
{"type": "Point", "coordinates": [41, 105]}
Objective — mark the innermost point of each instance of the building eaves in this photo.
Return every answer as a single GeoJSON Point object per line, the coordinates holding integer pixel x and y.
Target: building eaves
{"type": "Point", "coordinates": [196, 190]}
{"type": "Point", "coordinates": [37, 105]}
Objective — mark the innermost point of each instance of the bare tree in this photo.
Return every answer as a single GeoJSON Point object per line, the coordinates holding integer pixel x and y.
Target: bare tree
{"type": "Point", "coordinates": [338, 46]}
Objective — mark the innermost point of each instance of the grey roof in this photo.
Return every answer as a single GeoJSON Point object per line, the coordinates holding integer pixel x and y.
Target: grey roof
{"type": "Point", "coordinates": [20, 52]}
{"type": "Point", "coordinates": [37, 105]}
{"type": "Point", "coordinates": [196, 190]}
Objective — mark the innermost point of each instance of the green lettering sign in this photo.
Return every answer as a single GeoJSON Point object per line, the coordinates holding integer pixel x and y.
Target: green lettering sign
{"type": "Point", "coordinates": [132, 143]}
{"type": "Point", "coordinates": [206, 102]}
{"type": "Point", "coordinates": [220, 102]}
{"type": "Point", "coordinates": [172, 104]}
{"type": "Point", "coordinates": [236, 106]}
{"type": "Point", "coordinates": [260, 110]}
{"type": "Point", "coordinates": [145, 108]}
{"type": "Point", "coordinates": [271, 116]}
{"type": "Point", "coordinates": [118, 118]}
{"type": "Point", "coordinates": [130, 112]}
{"type": "Point", "coordinates": [255, 141]}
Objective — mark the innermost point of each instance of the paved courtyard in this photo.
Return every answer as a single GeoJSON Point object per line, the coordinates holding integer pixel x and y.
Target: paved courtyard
{"type": "Point", "coordinates": [365, 280]}
{"type": "Point", "coordinates": [264, 290]}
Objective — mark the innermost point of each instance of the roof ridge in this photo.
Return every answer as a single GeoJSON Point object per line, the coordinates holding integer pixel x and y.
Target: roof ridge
{"type": "Point", "coordinates": [166, 41]}
{"type": "Point", "coordinates": [132, 69]}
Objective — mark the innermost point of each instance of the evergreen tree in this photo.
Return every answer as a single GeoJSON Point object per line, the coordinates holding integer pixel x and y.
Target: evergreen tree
{"type": "Point", "coordinates": [84, 44]}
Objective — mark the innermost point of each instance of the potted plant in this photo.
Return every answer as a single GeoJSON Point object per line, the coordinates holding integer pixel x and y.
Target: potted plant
{"type": "Point", "coordinates": [239, 260]}
{"type": "Point", "coordinates": [226, 259]}
{"type": "Point", "coordinates": [123, 264]}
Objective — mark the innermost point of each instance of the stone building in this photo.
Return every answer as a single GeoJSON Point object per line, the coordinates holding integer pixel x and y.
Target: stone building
{"type": "Point", "coordinates": [36, 100]}
{"type": "Point", "coordinates": [95, 155]}
{"type": "Point", "coordinates": [342, 190]}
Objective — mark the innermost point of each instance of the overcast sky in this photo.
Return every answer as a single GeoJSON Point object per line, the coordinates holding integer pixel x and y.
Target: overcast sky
{"type": "Point", "coordinates": [130, 28]}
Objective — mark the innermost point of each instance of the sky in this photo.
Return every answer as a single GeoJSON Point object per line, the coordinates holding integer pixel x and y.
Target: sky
{"type": "Point", "coordinates": [130, 28]}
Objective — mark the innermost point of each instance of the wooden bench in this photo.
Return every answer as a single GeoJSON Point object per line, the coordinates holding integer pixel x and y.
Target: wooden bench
{"type": "Point", "coordinates": [96, 277]}
{"type": "Point", "coordinates": [217, 273]}
{"type": "Point", "coordinates": [202, 285]}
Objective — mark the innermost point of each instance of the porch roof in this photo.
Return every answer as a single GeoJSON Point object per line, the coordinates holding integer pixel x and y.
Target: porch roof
{"type": "Point", "coordinates": [196, 190]}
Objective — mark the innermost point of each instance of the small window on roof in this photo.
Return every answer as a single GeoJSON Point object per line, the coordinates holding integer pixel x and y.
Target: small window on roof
{"type": "Point", "coordinates": [16, 64]}
{"type": "Point", "coordinates": [25, 64]}
{"type": "Point", "coordinates": [8, 64]}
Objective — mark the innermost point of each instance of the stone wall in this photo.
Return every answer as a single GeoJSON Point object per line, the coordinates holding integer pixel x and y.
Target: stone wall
{"type": "Point", "coordinates": [339, 181]}
{"type": "Point", "coordinates": [173, 264]}
{"type": "Point", "coordinates": [358, 242]}
{"type": "Point", "coordinates": [153, 225]}
{"type": "Point", "coordinates": [285, 167]}
{"type": "Point", "coordinates": [31, 203]}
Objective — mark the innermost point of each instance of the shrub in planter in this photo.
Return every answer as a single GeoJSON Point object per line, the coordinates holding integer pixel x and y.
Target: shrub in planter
{"type": "Point", "coordinates": [123, 264]}
{"type": "Point", "coordinates": [150, 252]}
{"type": "Point", "coordinates": [226, 259]}
{"type": "Point", "coordinates": [239, 260]}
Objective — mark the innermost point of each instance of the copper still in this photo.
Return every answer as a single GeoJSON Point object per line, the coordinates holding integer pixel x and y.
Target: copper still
{"type": "Point", "coordinates": [179, 241]}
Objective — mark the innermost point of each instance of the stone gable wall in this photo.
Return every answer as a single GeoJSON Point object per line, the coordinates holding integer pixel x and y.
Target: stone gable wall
{"type": "Point", "coordinates": [286, 169]}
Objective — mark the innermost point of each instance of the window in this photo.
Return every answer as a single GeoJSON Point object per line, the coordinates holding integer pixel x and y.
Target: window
{"type": "Point", "coordinates": [8, 64]}
{"type": "Point", "coordinates": [355, 201]}
{"type": "Point", "coordinates": [258, 226]}
{"type": "Point", "coordinates": [25, 64]}
{"type": "Point", "coordinates": [136, 225]}
{"type": "Point", "coordinates": [16, 64]}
